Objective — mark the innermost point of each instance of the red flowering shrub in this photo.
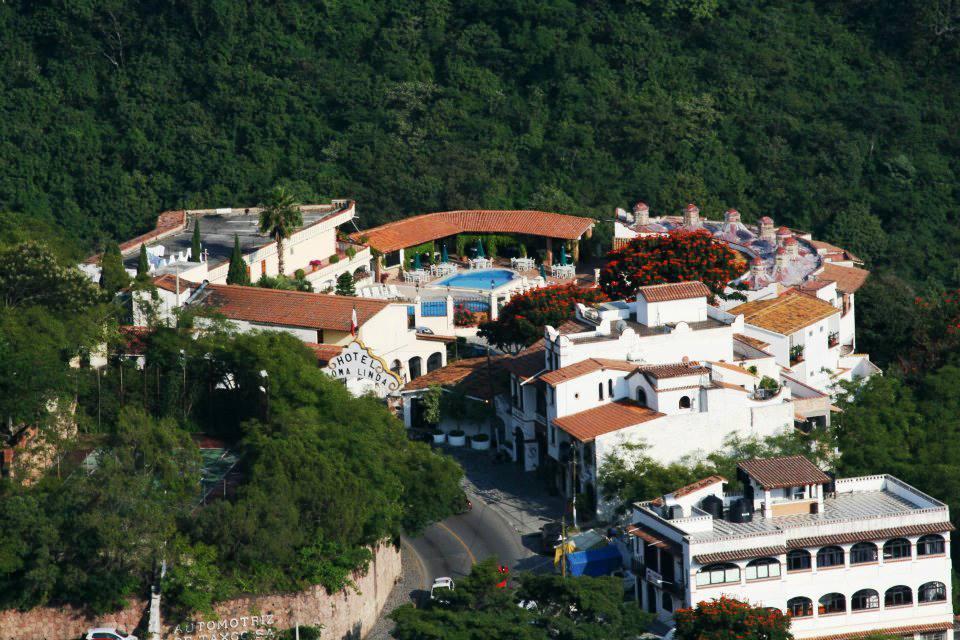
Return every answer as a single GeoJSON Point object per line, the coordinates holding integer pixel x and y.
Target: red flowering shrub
{"type": "Point", "coordinates": [463, 317]}
{"type": "Point", "coordinates": [724, 618]}
{"type": "Point", "coordinates": [522, 320]}
{"type": "Point", "coordinates": [679, 256]}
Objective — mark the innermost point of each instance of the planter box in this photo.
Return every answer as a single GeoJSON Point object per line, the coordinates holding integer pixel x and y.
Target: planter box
{"type": "Point", "coordinates": [439, 438]}
{"type": "Point", "coordinates": [456, 441]}
{"type": "Point", "coordinates": [482, 445]}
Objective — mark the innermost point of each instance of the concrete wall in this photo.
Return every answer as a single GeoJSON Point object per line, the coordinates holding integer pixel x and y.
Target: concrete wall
{"type": "Point", "coordinates": [347, 614]}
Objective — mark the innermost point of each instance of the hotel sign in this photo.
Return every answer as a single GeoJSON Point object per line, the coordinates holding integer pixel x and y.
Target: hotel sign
{"type": "Point", "coordinates": [357, 362]}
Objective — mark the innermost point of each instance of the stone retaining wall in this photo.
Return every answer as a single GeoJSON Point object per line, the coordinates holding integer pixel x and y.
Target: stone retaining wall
{"type": "Point", "coordinates": [349, 614]}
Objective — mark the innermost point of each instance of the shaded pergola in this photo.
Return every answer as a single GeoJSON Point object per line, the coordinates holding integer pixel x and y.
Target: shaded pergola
{"type": "Point", "coordinates": [410, 232]}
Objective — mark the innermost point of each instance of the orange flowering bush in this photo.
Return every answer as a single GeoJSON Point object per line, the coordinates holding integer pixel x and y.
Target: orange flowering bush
{"type": "Point", "coordinates": [522, 320]}
{"type": "Point", "coordinates": [724, 618]}
{"type": "Point", "coordinates": [678, 256]}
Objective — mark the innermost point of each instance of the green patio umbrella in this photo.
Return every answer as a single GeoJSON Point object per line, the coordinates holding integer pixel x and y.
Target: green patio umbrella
{"type": "Point", "coordinates": [480, 253]}
{"type": "Point", "coordinates": [563, 253]}
{"type": "Point", "coordinates": [543, 271]}
{"type": "Point", "coordinates": [416, 261]}
{"type": "Point", "coordinates": [443, 253]}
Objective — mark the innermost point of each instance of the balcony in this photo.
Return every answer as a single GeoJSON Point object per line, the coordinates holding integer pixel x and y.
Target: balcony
{"type": "Point", "coordinates": [833, 339]}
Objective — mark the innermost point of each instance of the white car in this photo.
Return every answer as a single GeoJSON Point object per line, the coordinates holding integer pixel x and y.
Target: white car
{"type": "Point", "coordinates": [107, 633]}
{"type": "Point", "coordinates": [441, 586]}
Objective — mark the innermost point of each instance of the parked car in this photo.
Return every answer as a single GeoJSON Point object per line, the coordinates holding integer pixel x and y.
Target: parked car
{"type": "Point", "coordinates": [425, 331]}
{"type": "Point", "coordinates": [107, 633]}
{"type": "Point", "coordinates": [441, 587]}
{"type": "Point", "coordinates": [551, 535]}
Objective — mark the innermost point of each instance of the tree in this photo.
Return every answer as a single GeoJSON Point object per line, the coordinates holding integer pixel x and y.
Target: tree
{"type": "Point", "coordinates": [280, 216]}
{"type": "Point", "coordinates": [679, 256]}
{"type": "Point", "coordinates": [30, 275]}
{"type": "Point", "coordinates": [143, 266]}
{"type": "Point", "coordinates": [724, 618]}
{"type": "Point", "coordinates": [579, 608]}
{"type": "Point", "coordinates": [857, 229]}
{"type": "Point", "coordinates": [345, 285]}
{"type": "Point", "coordinates": [113, 277]}
{"type": "Point", "coordinates": [195, 241]}
{"type": "Point", "coordinates": [522, 320]}
{"type": "Point", "coordinates": [237, 273]}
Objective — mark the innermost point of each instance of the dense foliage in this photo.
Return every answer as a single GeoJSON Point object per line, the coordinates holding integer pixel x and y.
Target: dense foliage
{"type": "Point", "coordinates": [724, 618]}
{"type": "Point", "coordinates": [679, 256]}
{"type": "Point", "coordinates": [521, 321]}
{"type": "Point", "coordinates": [582, 608]}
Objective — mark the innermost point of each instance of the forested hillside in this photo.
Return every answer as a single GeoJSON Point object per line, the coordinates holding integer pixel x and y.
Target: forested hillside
{"type": "Point", "coordinates": [834, 116]}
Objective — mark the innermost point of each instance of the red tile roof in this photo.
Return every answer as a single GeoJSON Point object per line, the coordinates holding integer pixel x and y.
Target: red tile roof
{"type": "Point", "coordinates": [674, 370]}
{"type": "Point", "coordinates": [651, 537]}
{"type": "Point", "coordinates": [324, 352]}
{"type": "Point", "coordinates": [750, 341]}
{"type": "Point", "coordinates": [607, 418]}
{"type": "Point", "coordinates": [470, 374]}
{"type": "Point", "coordinates": [787, 471]}
{"type": "Point", "coordinates": [167, 222]}
{"type": "Point", "coordinates": [848, 279]}
{"type": "Point", "coordinates": [582, 368]}
{"type": "Point", "coordinates": [889, 631]}
{"type": "Point", "coordinates": [739, 554]}
{"type": "Point", "coordinates": [674, 291]}
{"type": "Point", "coordinates": [432, 226]}
{"type": "Point", "coordinates": [528, 362]}
{"type": "Point", "coordinates": [168, 282]}
{"type": "Point", "coordinates": [833, 252]}
{"type": "Point", "coordinates": [786, 314]}
{"type": "Point", "coordinates": [289, 308]}
{"type": "Point", "coordinates": [877, 534]}
{"type": "Point", "coordinates": [696, 486]}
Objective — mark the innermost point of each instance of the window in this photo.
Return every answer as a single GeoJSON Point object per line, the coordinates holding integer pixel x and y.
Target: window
{"type": "Point", "coordinates": [762, 568]}
{"type": "Point", "coordinates": [863, 552]}
{"type": "Point", "coordinates": [798, 560]}
{"type": "Point", "coordinates": [414, 366]}
{"type": "Point", "coordinates": [799, 607]}
{"type": "Point", "coordinates": [610, 389]}
{"type": "Point", "coordinates": [667, 602]}
{"type": "Point", "coordinates": [932, 592]}
{"type": "Point", "coordinates": [865, 599]}
{"type": "Point", "coordinates": [685, 402]}
{"type": "Point", "coordinates": [718, 574]}
{"type": "Point", "coordinates": [435, 361]}
{"type": "Point", "coordinates": [832, 603]}
{"type": "Point", "coordinates": [600, 391]}
{"type": "Point", "coordinates": [830, 557]}
{"type": "Point", "coordinates": [930, 545]}
{"type": "Point", "coordinates": [936, 635]}
{"type": "Point", "coordinates": [799, 493]}
{"type": "Point", "coordinates": [896, 549]}
{"type": "Point", "coordinates": [898, 596]}
{"type": "Point", "coordinates": [641, 396]}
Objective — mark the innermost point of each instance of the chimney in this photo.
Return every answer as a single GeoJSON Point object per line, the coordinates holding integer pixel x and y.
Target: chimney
{"type": "Point", "coordinates": [782, 234]}
{"type": "Point", "coordinates": [641, 213]}
{"type": "Point", "coordinates": [792, 247]}
{"type": "Point", "coordinates": [691, 216]}
{"type": "Point", "coordinates": [766, 229]}
{"type": "Point", "coordinates": [782, 258]}
{"type": "Point", "coordinates": [732, 216]}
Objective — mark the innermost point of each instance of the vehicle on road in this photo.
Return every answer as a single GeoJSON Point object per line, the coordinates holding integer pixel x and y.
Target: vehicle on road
{"type": "Point", "coordinates": [441, 587]}
{"type": "Point", "coordinates": [551, 535]}
{"type": "Point", "coordinates": [107, 633]}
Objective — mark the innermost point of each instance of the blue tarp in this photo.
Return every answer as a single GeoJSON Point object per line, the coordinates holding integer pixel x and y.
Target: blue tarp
{"type": "Point", "coordinates": [595, 562]}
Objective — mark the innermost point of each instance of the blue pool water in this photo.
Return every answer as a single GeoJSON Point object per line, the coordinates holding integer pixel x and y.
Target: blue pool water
{"type": "Point", "coordinates": [480, 279]}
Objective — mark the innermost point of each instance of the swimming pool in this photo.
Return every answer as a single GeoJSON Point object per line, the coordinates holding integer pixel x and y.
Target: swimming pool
{"type": "Point", "coordinates": [480, 279]}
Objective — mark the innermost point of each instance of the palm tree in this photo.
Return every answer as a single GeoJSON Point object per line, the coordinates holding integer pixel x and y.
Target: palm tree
{"type": "Point", "coordinates": [279, 217]}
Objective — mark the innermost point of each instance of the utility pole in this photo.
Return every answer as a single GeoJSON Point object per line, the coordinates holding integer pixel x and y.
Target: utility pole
{"type": "Point", "coordinates": [573, 481]}
{"type": "Point", "coordinates": [563, 546]}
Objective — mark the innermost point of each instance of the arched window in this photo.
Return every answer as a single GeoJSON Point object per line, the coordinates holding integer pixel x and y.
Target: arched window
{"type": "Point", "coordinates": [667, 602]}
{"type": "Point", "coordinates": [610, 388]}
{"type": "Point", "coordinates": [685, 402]}
{"type": "Point", "coordinates": [863, 552]}
{"type": "Point", "coordinates": [832, 603]}
{"type": "Point", "coordinates": [896, 549]}
{"type": "Point", "coordinates": [798, 560]}
{"type": "Point", "coordinates": [600, 390]}
{"type": "Point", "coordinates": [718, 574]}
{"type": "Point", "coordinates": [932, 592]}
{"type": "Point", "coordinates": [865, 599]}
{"type": "Point", "coordinates": [800, 607]}
{"type": "Point", "coordinates": [415, 365]}
{"type": "Point", "coordinates": [830, 557]}
{"type": "Point", "coordinates": [763, 568]}
{"type": "Point", "coordinates": [931, 545]}
{"type": "Point", "coordinates": [435, 361]}
{"type": "Point", "coordinates": [641, 396]}
{"type": "Point", "coordinates": [898, 596]}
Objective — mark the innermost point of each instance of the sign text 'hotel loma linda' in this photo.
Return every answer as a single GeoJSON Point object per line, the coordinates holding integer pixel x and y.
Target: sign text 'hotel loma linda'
{"type": "Point", "coordinates": [357, 362]}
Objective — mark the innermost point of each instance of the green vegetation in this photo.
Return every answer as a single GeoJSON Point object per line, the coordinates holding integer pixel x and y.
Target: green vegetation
{"type": "Point", "coordinates": [195, 241]}
{"type": "Point", "coordinates": [580, 608]}
{"type": "Point", "coordinates": [113, 277]}
{"type": "Point", "coordinates": [143, 266]}
{"type": "Point", "coordinates": [345, 285]}
{"type": "Point", "coordinates": [724, 618]}
{"type": "Point", "coordinates": [279, 217]}
{"type": "Point", "coordinates": [237, 274]}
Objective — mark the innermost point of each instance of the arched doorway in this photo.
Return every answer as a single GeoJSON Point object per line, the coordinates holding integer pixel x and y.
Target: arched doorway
{"type": "Point", "coordinates": [415, 365]}
{"type": "Point", "coordinates": [435, 361]}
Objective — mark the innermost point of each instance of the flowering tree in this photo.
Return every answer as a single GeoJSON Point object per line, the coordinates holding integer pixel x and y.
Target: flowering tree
{"type": "Point", "coordinates": [522, 320]}
{"type": "Point", "coordinates": [678, 256]}
{"type": "Point", "coordinates": [724, 618]}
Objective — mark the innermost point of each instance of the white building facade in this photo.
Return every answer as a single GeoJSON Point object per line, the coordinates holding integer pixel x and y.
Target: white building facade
{"type": "Point", "coordinates": [846, 556]}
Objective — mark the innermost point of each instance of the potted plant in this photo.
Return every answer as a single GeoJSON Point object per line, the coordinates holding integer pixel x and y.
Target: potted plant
{"type": "Point", "coordinates": [439, 437]}
{"type": "Point", "coordinates": [457, 438]}
{"type": "Point", "coordinates": [833, 339]}
{"type": "Point", "coordinates": [796, 353]}
{"type": "Point", "coordinates": [480, 442]}
{"type": "Point", "coordinates": [316, 264]}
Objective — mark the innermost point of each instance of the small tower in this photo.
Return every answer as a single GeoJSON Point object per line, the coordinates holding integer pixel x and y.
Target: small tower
{"type": "Point", "coordinates": [782, 259]}
{"type": "Point", "coordinates": [782, 234]}
{"type": "Point", "coordinates": [756, 271]}
{"type": "Point", "coordinates": [732, 216]}
{"type": "Point", "coordinates": [691, 216]}
{"type": "Point", "coordinates": [641, 213]}
{"type": "Point", "coordinates": [792, 247]}
{"type": "Point", "coordinates": [766, 230]}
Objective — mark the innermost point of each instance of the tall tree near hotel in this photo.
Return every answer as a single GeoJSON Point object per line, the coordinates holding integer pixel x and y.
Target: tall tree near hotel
{"type": "Point", "coordinates": [143, 266]}
{"type": "Point", "coordinates": [279, 217]}
{"type": "Point", "coordinates": [724, 618]}
{"type": "Point", "coordinates": [678, 256]}
{"type": "Point", "coordinates": [238, 268]}
{"type": "Point", "coordinates": [113, 276]}
{"type": "Point", "coordinates": [195, 242]}
{"type": "Point", "coordinates": [345, 285]}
